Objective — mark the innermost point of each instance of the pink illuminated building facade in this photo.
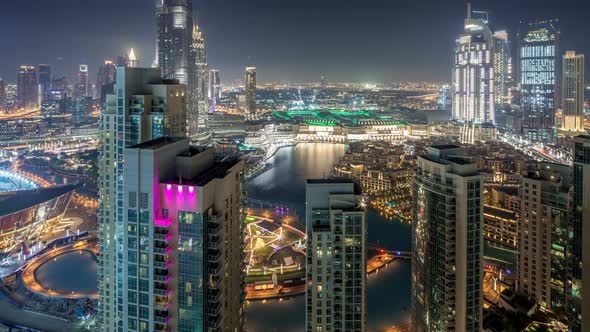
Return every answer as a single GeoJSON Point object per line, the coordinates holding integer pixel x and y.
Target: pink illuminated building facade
{"type": "Point", "coordinates": [183, 244]}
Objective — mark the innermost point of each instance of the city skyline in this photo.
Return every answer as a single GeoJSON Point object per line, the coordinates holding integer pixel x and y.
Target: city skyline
{"type": "Point", "coordinates": [363, 166]}
{"type": "Point", "coordinates": [320, 47]}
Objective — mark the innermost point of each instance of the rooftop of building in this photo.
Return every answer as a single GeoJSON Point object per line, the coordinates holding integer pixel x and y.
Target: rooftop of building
{"type": "Point", "coordinates": [499, 212]}
{"type": "Point", "coordinates": [446, 147]}
{"type": "Point", "coordinates": [14, 201]}
{"type": "Point", "coordinates": [338, 117]}
{"type": "Point", "coordinates": [156, 143]}
{"type": "Point", "coordinates": [507, 190]}
{"type": "Point", "coordinates": [218, 170]}
{"type": "Point", "coordinates": [337, 180]}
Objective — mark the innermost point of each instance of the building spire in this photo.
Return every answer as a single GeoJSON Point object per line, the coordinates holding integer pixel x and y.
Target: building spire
{"type": "Point", "coordinates": [132, 59]}
{"type": "Point", "coordinates": [468, 9]}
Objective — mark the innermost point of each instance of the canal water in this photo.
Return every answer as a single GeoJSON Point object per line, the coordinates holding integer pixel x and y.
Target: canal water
{"type": "Point", "coordinates": [388, 291]}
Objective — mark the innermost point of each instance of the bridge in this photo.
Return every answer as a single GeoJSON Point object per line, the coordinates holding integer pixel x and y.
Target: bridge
{"type": "Point", "coordinates": [385, 251]}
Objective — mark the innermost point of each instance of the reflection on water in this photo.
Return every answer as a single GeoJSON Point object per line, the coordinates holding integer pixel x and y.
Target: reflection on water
{"type": "Point", "coordinates": [277, 316]}
{"type": "Point", "coordinates": [74, 271]}
{"type": "Point", "coordinates": [388, 292]}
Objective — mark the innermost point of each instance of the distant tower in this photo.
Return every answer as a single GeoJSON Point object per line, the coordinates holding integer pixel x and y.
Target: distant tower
{"type": "Point", "coordinates": [573, 92]}
{"type": "Point", "coordinates": [447, 242]}
{"type": "Point", "coordinates": [44, 81]}
{"type": "Point", "coordinates": [105, 77]}
{"type": "Point", "coordinates": [3, 105]}
{"type": "Point", "coordinates": [174, 38]}
{"type": "Point", "coordinates": [251, 90]}
{"type": "Point", "coordinates": [502, 68]}
{"type": "Point", "coordinates": [214, 92]}
{"type": "Point", "coordinates": [336, 256]}
{"type": "Point", "coordinates": [27, 89]}
{"type": "Point", "coordinates": [132, 60]}
{"type": "Point", "coordinates": [199, 80]}
{"type": "Point", "coordinates": [538, 65]}
{"type": "Point", "coordinates": [473, 72]}
{"type": "Point", "coordinates": [82, 86]}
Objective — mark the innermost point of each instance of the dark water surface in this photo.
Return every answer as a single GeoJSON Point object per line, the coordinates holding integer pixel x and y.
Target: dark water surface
{"type": "Point", "coordinates": [70, 272]}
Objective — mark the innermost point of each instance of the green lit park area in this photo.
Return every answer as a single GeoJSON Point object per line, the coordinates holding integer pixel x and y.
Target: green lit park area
{"type": "Point", "coordinates": [275, 248]}
{"type": "Point", "coordinates": [332, 118]}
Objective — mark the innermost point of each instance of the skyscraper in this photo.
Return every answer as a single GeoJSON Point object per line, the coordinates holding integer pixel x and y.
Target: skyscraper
{"type": "Point", "coordinates": [44, 81]}
{"type": "Point", "coordinates": [447, 242]}
{"type": "Point", "coordinates": [106, 76]}
{"type": "Point", "coordinates": [82, 85]}
{"type": "Point", "coordinates": [502, 68]}
{"type": "Point", "coordinates": [542, 235]}
{"type": "Point", "coordinates": [174, 46]}
{"type": "Point", "coordinates": [27, 89]}
{"type": "Point", "coordinates": [174, 38]}
{"type": "Point", "coordinates": [189, 277]}
{"type": "Point", "coordinates": [145, 107]}
{"type": "Point", "coordinates": [538, 64]}
{"type": "Point", "coordinates": [473, 72]}
{"type": "Point", "coordinates": [214, 89]}
{"type": "Point", "coordinates": [336, 256]}
{"type": "Point", "coordinates": [132, 61]}
{"type": "Point", "coordinates": [573, 92]}
{"type": "Point", "coordinates": [3, 106]}
{"type": "Point", "coordinates": [199, 56]}
{"type": "Point", "coordinates": [251, 90]}
{"type": "Point", "coordinates": [579, 249]}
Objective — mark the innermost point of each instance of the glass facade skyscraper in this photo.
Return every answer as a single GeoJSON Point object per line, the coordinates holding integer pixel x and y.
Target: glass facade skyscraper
{"type": "Point", "coordinates": [183, 240]}
{"type": "Point", "coordinates": [502, 69]}
{"type": "Point", "coordinates": [573, 92]}
{"type": "Point", "coordinates": [579, 258]}
{"type": "Point", "coordinates": [251, 90]}
{"type": "Point", "coordinates": [543, 237]}
{"type": "Point", "coordinates": [447, 240]}
{"type": "Point", "coordinates": [44, 82]}
{"type": "Point", "coordinates": [538, 66]}
{"type": "Point", "coordinates": [27, 89]}
{"type": "Point", "coordinates": [473, 73]}
{"type": "Point", "coordinates": [181, 54]}
{"type": "Point", "coordinates": [143, 107]}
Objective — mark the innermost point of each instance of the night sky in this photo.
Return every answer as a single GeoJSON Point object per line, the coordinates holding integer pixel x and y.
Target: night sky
{"type": "Point", "coordinates": [288, 40]}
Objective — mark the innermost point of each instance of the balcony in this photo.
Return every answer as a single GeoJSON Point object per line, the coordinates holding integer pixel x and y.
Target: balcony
{"type": "Point", "coordinates": [161, 306]}
{"type": "Point", "coordinates": [161, 236]}
{"type": "Point", "coordinates": [214, 310]}
{"type": "Point", "coordinates": [160, 319]}
{"type": "Point", "coordinates": [215, 283]}
{"type": "Point", "coordinates": [160, 291]}
{"type": "Point", "coordinates": [160, 264]}
{"type": "Point", "coordinates": [213, 268]}
{"type": "Point", "coordinates": [214, 296]}
{"type": "Point", "coordinates": [214, 257]}
{"type": "Point", "coordinates": [160, 278]}
{"type": "Point", "coordinates": [160, 250]}
{"type": "Point", "coordinates": [213, 323]}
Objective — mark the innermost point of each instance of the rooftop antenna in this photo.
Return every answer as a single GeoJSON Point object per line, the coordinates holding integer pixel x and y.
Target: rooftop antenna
{"type": "Point", "coordinates": [468, 9]}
